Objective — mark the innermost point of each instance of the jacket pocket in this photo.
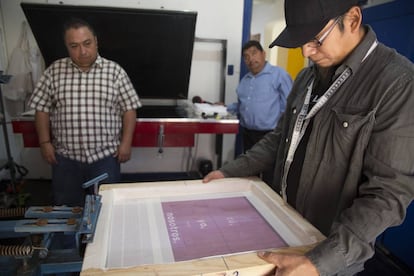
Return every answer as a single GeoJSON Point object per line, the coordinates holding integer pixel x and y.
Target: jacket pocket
{"type": "Point", "coordinates": [350, 134]}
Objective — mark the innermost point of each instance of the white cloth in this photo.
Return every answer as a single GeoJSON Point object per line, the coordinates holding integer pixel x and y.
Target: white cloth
{"type": "Point", "coordinates": [20, 85]}
{"type": "Point", "coordinates": [210, 109]}
{"type": "Point", "coordinates": [36, 63]}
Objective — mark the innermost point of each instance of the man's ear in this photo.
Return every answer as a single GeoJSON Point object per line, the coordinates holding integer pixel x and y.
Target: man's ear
{"type": "Point", "coordinates": [354, 16]}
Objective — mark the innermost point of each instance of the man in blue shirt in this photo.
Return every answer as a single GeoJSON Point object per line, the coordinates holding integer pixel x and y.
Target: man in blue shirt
{"type": "Point", "coordinates": [261, 96]}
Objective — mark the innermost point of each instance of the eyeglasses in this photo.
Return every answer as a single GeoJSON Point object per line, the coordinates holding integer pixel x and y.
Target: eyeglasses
{"type": "Point", "coordinates": [317, 42]}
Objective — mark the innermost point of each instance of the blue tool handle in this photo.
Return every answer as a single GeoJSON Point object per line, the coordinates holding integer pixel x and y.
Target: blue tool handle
{"type": "Point", "coordinates": [95, 180]}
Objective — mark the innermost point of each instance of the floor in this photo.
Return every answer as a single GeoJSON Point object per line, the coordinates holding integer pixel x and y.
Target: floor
{"type": "Point", "coordinates": [38, 193]}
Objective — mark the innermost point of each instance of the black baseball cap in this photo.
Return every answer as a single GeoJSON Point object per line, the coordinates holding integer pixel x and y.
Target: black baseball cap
{"type": "Point", "coordinates": [306, 18]}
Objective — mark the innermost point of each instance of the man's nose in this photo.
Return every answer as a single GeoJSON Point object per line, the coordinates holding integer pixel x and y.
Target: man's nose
{"type": "Point", "coordinates": [82, 50]}
{"type": "Point", "coordinates": [308, 51]}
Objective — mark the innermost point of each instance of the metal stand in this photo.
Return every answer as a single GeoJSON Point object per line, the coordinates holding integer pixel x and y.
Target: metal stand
{"type": "Point", "coordinates": [10, 164]}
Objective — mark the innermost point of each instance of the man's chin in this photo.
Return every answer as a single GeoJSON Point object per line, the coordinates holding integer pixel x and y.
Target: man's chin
{"type": "Point", "coordinates": [84, 64]}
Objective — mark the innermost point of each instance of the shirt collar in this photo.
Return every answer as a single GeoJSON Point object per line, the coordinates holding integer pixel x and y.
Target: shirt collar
{"type": "Point", "coordinates": [266, 70]}
{"type": "Point", "coordinates": [98, 62]}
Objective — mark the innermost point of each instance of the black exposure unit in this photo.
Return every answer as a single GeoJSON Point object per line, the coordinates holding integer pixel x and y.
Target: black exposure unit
{"type": "Point", "coordinates": [155, 47]}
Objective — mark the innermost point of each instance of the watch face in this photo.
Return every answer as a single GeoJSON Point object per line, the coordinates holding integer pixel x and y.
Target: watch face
{"type": "Point", "coordinates": [205, 167]}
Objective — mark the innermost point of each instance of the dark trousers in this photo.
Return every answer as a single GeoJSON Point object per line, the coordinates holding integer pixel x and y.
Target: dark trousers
{"type": "Point", "coordinates": [251, 137]}
{"type": "Point", "coordinates": [68, 176]}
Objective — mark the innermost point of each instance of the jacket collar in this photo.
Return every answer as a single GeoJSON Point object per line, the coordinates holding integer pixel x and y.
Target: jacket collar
{"type": "Point", "coordinates": [355, 58]}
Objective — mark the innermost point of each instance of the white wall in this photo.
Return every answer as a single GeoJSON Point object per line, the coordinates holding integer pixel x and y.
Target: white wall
{"type": "Point", "coordinates": [268, 20]}
{"type": "Point", "coordinates": [216, 19]}
{"type": "Point", "coordinates": [265, 11]}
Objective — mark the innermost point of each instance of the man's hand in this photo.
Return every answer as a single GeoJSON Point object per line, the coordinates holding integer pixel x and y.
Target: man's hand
{"type": "Point", "coordinates": [124, 153]}
{"type": "Point", "coordinates": [213, 175]}
{"type": "Point", "coordinates": [290, 264]}
{"type": "Point", "coordinates": [48, 153]}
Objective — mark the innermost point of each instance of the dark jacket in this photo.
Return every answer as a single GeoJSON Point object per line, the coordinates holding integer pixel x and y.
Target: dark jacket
{"type": "Point", "coordinates": [358, 173]}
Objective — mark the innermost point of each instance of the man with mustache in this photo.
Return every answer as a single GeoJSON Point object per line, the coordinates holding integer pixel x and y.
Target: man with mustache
{"type": "Point", "coordinates": [261, 96]}
{"type": "Point", "coordinates": [85, 115]}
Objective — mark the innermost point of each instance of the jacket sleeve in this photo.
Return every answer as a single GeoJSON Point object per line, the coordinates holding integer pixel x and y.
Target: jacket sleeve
{"type": "Point", "coordinates": [259, 158]}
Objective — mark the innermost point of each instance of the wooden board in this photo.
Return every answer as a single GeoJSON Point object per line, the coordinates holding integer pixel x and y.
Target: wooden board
{"type": "Point", "coordinates": [240, 263]}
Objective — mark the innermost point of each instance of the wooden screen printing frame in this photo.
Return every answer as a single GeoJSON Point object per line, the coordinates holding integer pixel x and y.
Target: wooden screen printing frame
{"type": "Point", "coordinates": [243, 263]}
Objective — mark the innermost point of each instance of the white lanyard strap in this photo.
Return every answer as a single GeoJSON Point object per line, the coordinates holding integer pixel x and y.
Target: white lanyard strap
{"type": "Point", "coordinates": [303, 119]}
{"type": "Point", "coordinates": [329, 93]}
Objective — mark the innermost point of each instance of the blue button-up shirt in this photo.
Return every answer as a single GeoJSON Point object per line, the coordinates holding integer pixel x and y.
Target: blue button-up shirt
{"type": "Point", "coordinates": [262, 98]}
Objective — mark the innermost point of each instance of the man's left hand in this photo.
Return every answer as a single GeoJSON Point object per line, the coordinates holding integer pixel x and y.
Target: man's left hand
{"type": "Point", "coordinates": [124, 153]}
{"type": "Point", "coordinates": [290, 264]}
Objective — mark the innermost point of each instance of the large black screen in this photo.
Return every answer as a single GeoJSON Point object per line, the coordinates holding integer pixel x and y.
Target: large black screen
{"type": "Point", "coordinates": [154, 47]}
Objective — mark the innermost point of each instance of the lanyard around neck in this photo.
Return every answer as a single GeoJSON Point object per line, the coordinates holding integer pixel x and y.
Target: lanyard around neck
{"type": "Point", "coordinates": [303, 119]}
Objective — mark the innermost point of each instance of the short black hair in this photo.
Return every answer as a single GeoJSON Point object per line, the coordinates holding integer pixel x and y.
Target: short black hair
{"type": "Point", "coordinates": [252, 43]}
{"type": "Point", "coordinates": [76, 23]}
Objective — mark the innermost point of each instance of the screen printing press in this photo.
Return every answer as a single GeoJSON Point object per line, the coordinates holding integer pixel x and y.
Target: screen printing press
{"type": "Point", "coordinates": [170, 228]}
{"type": "Point", "coordinates": [42, 240]}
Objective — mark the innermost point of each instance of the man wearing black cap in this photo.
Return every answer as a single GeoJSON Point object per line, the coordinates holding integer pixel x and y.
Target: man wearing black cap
{"type": "Point", "coordinates": [344, 148]}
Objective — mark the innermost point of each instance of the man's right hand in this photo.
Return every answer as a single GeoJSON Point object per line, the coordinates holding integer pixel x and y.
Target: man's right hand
{"type": "Point", "coordinates": [213, 175]}
{"type": "Point", "coordinates": [48, 153]}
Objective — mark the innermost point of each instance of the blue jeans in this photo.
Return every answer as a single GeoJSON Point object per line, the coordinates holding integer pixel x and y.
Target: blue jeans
{"type": "Point", "coordinates": [68, 176]}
